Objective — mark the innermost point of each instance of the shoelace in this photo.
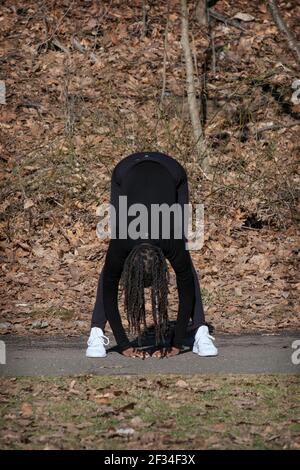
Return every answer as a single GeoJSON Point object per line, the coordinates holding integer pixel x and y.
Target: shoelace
{"type": "Point", "coordinates": [103, 338]}
{"type": "Point", "coordinates": [205, 337]}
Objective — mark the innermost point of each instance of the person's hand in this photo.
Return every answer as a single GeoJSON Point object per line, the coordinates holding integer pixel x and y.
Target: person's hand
{"type": "Point", "coordinates": [163, 352]}
{"type": "Point", "coordinates": [159, 353]}
{"type": "Point", "coordinates": [134, 352]}
{"type": "Point", "coordinates": [172, 352]}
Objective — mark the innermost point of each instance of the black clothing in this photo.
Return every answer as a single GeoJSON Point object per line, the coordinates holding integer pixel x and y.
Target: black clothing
{"type": "Point", "coordinates": [148, 178]}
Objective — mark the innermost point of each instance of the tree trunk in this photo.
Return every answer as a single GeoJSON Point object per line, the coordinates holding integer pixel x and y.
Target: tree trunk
{"type": "Point", "coordinates": [191, 91]}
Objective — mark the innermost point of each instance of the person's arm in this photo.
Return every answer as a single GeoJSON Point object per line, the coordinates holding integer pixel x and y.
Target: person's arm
{"type": "Point", "coordinates": [115, 193]}
{"type": "Point", "coordinates": [182, 199]}
{"type": "Point", "coordinates": [181, 263]}
{"type": "Point", "coordinates": [115, 189]}
{"type": "Point", "coordinates": [183, 189]}
{"type": "Point", "coordinates": [111, 277]}
{"type": "Point", "coordinates": [118, 176]}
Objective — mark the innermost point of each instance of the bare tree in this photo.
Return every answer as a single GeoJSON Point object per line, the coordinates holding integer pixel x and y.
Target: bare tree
{"type": "Point", "coordinates": [282, 26]}
{"type": "Point", "coordinates": [201, 12]}
{"type": "Point", "coordinates": [165, 56]}
{"type": "Point", "coordinates": [146, 8]}
{"type": "Point", "coordinates": [191, 90]}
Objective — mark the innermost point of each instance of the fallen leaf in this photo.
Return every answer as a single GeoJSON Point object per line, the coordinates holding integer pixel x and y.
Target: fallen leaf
{"type": "Point", "coordinates": [182, 384]}
{"type": "Point", "coordinates": [125, 431]}
{"type": "Point", "coordinates": [137, 422]}
{"type": "Point", "coordinates": [28, 203]}
{"type": "Point", "coordinates": [243, 17]}
{"type": "Point", "coordinates": [26, 410]}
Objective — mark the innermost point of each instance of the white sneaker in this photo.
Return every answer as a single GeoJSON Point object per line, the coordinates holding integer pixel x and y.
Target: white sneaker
{"type": "Point", "coordinates": [96, 343]}
{"type": "Point", "coordinates": [203, 345]}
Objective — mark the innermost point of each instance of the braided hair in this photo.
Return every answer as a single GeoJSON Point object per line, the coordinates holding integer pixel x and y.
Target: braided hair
{"type": "Point", "coordinates": [146, 266]}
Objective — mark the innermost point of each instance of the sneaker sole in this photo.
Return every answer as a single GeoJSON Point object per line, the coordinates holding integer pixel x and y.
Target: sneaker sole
{"type": "Point", "coordinates": [205, 355]}
{"type": "Point", "coordinates": [95, 354]}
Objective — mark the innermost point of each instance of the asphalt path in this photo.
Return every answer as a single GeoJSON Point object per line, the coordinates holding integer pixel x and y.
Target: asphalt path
{"type": "Point", "coordinates": [238, 354]}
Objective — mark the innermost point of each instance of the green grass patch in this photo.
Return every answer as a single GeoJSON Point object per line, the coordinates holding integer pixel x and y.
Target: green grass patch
{"type": "Point", "coordinates": [147, 412]}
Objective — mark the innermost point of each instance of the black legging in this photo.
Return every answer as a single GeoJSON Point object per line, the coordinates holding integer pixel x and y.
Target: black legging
{"type": "Point", "coordinates": [123, 174]}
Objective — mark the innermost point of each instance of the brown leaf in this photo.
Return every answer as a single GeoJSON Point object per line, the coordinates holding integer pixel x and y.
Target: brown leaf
{"type": "Point", "coordinates": [182, 384]}
{"type": "Point", "coordinates": [28, 203]}
{"type": "Point", "coordinates": [219, 427]}
{"type": "Point", "coordinates": [137, 422]}
{"type": "Point", "coordinates": [26, 410]}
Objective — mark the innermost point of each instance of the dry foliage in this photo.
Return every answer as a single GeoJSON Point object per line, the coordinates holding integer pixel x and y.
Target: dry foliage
{"type": "Point", "coordinates": [84, 83]}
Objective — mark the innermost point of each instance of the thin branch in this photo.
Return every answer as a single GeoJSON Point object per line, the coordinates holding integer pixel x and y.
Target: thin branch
{"type": "Point", "coordinates": [275, 127]}
{"type": "Point", "coordinates": [165, 56]}
{"type": "Point", "coordinates": [50, 37]}
{"type": "Point", "coordinates": [282, 26]}
{"type": "Point", "coordinates": [60, 46]}
{"type": "Point", "coordinates": [145, 18]}
{"type": "Point", "coordinates": [76, 45]}
{"type": "Point", "coordinates": [225, 19]}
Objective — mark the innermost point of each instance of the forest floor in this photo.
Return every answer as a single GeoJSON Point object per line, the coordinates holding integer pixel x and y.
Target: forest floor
{"type": "Point", "coordinates": [83, 86]}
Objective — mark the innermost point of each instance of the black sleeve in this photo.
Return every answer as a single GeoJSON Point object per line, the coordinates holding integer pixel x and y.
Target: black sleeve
{"type": "Point", "coordinates": [115, 189]}
{"type": "Point", "coordinates": [183, 190]}
{"type": "Point", "coordinates": [115, 193]}
{"type": "Point", "coordinates": [181, 263]}
{"type": "Point", "coordinates": [183, 198]}
{"type": "Point", "coordinates": [112, 271]}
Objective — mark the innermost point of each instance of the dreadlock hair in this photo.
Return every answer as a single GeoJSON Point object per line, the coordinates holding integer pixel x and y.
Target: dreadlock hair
{"type": "Point", "coordinates": [146, 266]}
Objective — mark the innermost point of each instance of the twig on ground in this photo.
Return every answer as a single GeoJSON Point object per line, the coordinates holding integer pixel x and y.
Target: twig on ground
{"type": "Point", "coordinates": [282, 26]}
{"type": "Point", "coordinates": [225, 19]}
{"type": "Point", "coordinates": [79, 47]}
{"type": "Point", "coordinates": [60, 46]}
{"type": "Point", "coordinates": [275, 127]}
{"type": "Point", "coordinates": [76, 44]}
{"type": "Point", "coordinates": [51, 37]}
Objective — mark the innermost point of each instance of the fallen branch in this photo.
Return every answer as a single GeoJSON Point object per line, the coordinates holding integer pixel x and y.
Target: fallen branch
{"type": "Point", "coordinates": [275, 127]}
{"type": "Point", "coordinates": [79, 47]}
{"type": "Point", "coordinates": [225, 19]}
{"type": "Point", "coordinates": [76, 44]}
{"type": "Point", "coordinates": [282, 26]}
{"type": "Point", "coordinates": [54, 42]}
{"type": "Point", "coordinates": [30, 105]}
{"type": "Point", "coordinates": [60, 46]}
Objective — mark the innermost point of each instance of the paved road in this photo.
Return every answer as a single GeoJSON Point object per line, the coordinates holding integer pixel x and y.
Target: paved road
{"type": "Point", "coordinates": [55, 356]}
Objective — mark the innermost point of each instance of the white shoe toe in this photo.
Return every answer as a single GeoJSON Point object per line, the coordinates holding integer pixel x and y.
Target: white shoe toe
{"type": "Point", "coordinates": [96, 343]}
{"type": "Point", "coordinates": [95, 353]}
{"type": "Point", "coordinates": [209, 352]}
